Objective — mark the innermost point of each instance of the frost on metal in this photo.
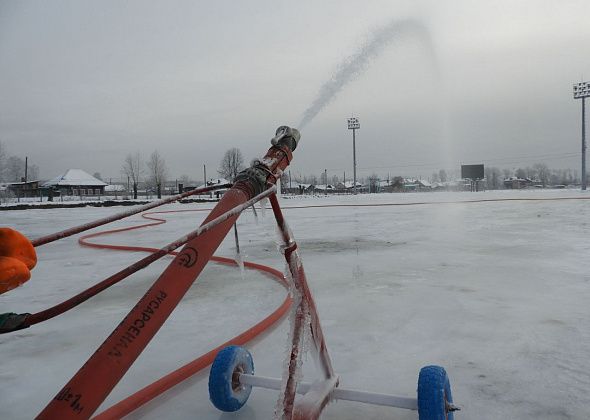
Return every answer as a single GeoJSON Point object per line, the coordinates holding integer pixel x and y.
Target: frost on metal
{"type": "Point", "coordinates": [239, 259]}
{"type": "Point", "coordinates": [299, 308]}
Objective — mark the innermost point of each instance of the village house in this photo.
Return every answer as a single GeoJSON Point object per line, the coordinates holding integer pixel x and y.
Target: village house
{"type": "Point", "coordinates": [23, 189]}
{"type": "Point", "coordinates": [76, 182]}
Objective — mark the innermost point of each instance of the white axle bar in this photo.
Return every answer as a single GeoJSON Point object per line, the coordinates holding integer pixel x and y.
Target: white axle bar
{"type": "Point", "coordinates": [337, 394]}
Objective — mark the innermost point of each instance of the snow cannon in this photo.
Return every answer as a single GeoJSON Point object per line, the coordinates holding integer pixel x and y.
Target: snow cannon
{"type": "Point", "coordinates": [263, 173]}
{"type": "Point", "coordinates": [105, 368]}
{"type": "Point", "coordinates": [232, 376]}
{"type": "Point", "coordinates": [17, 258]}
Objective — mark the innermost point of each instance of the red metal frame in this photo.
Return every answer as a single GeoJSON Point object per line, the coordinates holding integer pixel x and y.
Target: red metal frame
{"type": "Point", "coordinates": [90, 386]}
{"type": "Point", "coordinates": [313, 402]}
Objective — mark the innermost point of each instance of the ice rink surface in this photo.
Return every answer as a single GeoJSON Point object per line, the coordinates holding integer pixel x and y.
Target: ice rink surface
{"type": "Point", "coordinates": [497, 292]}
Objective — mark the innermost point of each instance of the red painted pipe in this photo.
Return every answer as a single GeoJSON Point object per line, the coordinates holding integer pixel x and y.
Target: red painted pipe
{"type": "Point", "coordinates": [136, 266]}
{"type": "Point", "coordinates": [143, 396]}
{"type": "Point", "coordinates": [90, 386]}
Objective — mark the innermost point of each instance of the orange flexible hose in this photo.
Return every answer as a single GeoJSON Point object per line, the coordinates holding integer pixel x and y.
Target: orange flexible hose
{"type": "Point", "coordinates": [92, 383]}
{"type": "Point", "coordinates": [163, 384]}
{"type": "Point", "coordinates": [151, 391]}
{"type": "Point", "coordinates": [144, 395]}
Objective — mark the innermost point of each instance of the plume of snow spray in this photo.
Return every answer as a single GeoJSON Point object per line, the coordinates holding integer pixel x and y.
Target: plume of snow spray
{"type": "Point", "coordinates": [354, 66]}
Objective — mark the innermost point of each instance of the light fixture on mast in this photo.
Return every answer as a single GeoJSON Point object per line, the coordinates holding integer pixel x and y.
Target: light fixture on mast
{"type": "Point", "coordinates": [582, 91]}
{"type": "Point", "coordinates": [354, 124]}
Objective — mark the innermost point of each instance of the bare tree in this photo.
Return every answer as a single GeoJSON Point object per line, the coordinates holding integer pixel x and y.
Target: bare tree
{"type": "Point", "coordinates": [15, 169]}
{"type": "Point", "coordinates": [33, 172]}
{"type": "Point", "coordinates": [158, 171]}
{"type": "Point", "coordinates": [373, 183]}
{"type": "Point", "coordinates": [284, 183]}
{"type": "Point", "coordinates": [231, 164]}
{"type": "Point", "coordinates": [543, 173]}
{"type": "Point", "coordinates": [496, 174]}
{"type": "Point", "coordinates": [185, 180]}
{"type": "Point", "coordinates": [531, 173]}
{"type": "Point", "coordinates": [2, 162]}
{"type": "Point", "coordinates": [442, 174]}
{"type": "Point", "coordinates": [133, 168]}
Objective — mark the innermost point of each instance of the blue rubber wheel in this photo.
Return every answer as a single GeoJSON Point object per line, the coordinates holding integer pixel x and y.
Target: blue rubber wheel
{"type": "Point", "coordinates": [225, 391]}
{"type": "Point", "coordinates": [435, 401]}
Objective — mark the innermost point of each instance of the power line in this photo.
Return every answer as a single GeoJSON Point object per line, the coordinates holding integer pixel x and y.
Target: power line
{"type": "Point", "coordinates": [505, 160]}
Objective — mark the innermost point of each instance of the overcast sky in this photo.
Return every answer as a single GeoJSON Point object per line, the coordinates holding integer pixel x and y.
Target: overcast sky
{"type": "Point", "coordinates": [84, 83]}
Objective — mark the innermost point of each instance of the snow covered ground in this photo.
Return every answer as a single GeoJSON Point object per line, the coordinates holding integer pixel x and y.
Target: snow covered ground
{"type": "Point", "coordinates": [496, 291]}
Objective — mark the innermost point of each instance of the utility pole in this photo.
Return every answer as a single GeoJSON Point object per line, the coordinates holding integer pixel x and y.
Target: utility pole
{"type": "Point", "coordinates": [26, 168]}
{"type": "Point", "coordinates": [326, 177]}
{"type": "Point", "coordinates": [354, 124]}
{"type": "Point", "coordinates": [582, 91]}
{"type": "Point", "coordinates": [205, 174]}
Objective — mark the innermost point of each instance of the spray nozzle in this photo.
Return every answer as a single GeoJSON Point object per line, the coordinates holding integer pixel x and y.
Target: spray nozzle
{"type": "Point", "coordinates": [286, 135]}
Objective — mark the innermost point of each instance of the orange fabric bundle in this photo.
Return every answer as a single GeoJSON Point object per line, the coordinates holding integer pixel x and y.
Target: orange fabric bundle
{"type": "Point", "coordinates": [17, 258]}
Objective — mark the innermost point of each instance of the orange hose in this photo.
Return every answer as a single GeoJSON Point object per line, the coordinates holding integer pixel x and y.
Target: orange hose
{"type": "Point", "coordinates": [143, 396]}
{"type": "Point", "coordinates": [151, 391]}
{"type": "Point", "coordinates": [90, 386]}
{"type": "Point", "coordinates": [163, 384]}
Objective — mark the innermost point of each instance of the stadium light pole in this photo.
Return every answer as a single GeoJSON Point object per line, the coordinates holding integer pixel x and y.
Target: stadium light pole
{"type": "Point", "coordinates": [582, 91]}
{"type": "Point", "coordinates": [354, 124]}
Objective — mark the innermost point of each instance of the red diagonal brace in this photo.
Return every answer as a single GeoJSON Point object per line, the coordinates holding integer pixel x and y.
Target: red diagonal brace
{"type": "Point", "coordinates": [90, 386]}
{"type": "Point", "coordinates": [311, 405]}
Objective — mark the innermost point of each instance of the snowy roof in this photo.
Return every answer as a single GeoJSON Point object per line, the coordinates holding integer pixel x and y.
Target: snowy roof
{"type": "Point", "coordinates": [75, 177]}
{"type": "Point", "coordinates": [296, 184]}
{"type": "Point", "coordinates": [515, 178]}
{"type": "Point", "coordinates": [218, 181]}
{"type": "Point", "coordinates": [349, 184]}
{"type": "Point", "coordinates": [114, 187]}
{"type": "Point", "coordinates": [213, 182]}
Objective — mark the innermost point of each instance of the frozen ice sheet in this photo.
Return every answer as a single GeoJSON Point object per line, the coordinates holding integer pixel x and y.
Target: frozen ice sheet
{"type": "Point", "coordinates": [497, 292]}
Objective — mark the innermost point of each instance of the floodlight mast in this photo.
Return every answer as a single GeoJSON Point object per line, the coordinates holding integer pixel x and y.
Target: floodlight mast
{"type": "Point", "coordinates": [582, 91]}
{"type": "Point", "coordinates": [354, 124]}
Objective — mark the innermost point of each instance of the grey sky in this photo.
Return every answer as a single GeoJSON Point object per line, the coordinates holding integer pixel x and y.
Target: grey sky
{"type": "Point", "coordinates": [84, 83]}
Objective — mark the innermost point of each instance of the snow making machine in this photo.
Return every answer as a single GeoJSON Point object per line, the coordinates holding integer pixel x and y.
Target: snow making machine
{"type": "Point", "coordinates": [232, 373]}
{"type": "Point", "coordinates": [232, 376]}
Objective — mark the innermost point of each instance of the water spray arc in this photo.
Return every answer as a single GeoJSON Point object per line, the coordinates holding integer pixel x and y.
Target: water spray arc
{"type": "Point", "coordinates": [353, 66]}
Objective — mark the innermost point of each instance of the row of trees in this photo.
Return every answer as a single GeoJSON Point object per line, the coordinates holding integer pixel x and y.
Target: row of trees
{"type": "Point", "coordinates": [135, 169]}
{"type": "Point", "coordinates": [12, 168]}
{"type": "Point", "coordinates": [155, 172]}
{"type": "Point", "coordinates": [539, 172]}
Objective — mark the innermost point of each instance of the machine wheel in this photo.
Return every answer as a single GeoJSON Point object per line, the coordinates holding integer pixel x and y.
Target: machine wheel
{"type": "Point", "coordinates": [225, 391]}
{"type": "Point", "coordinates": [435, 401]}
